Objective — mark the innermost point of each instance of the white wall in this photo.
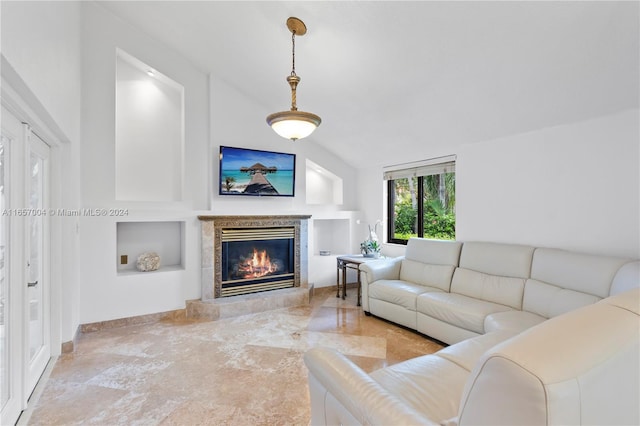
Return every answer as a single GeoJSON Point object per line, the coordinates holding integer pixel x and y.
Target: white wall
{"type": "Point", "coordinates": [215, 114]}
{"type": "Point", "coordinates": [102, 34]}
{"type": "Point", "coordinates": [106, 295]}
{"type": "Point", "coordinates": [373, 205]}
{"type": "Point", "coordinates": [574, 187]}
{"type": "Point", "coordinates": [41, 42]}
{"type": "Point", "coordinates": [238, 121]}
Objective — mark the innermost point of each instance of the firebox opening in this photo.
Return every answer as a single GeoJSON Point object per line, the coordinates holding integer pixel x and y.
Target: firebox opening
{"type": "Point", "coordinates": [255, 261]}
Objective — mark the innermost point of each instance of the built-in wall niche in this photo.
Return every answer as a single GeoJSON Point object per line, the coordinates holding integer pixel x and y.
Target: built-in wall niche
{"type": "Point", "coordinates": [164, 238]}
{"type": "Point", "coordinates": [331, 237]}
{"type": "Point", "coordinates": [322, 186]}
{"type": "Point", "coordinates": [149, 133]}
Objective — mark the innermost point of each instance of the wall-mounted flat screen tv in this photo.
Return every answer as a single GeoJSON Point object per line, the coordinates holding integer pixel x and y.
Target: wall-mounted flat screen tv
{"type": "Point", "coordinates": [253, 172]}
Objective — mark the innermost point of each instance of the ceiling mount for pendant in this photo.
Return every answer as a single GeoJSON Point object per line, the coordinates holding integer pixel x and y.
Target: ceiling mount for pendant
{"type": "Point", "coordinates": [294, 124]}
{"type": "Point", "coordinates": [296, 26]}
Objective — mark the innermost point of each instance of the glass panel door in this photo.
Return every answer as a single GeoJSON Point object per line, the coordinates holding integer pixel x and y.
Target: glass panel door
{"type": "Point", "coordinates": [37, 263]}
{"type": "Point", "coordinates": [25, 346]}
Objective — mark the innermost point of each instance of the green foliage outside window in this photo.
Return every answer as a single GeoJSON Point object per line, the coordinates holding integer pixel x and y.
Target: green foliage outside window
{"type": "Point", "coordinates": [405, 220]}
{"type": "Point", "coordinates": [438, 207]}
{"type": "Point", "coordinates": [439, 223]}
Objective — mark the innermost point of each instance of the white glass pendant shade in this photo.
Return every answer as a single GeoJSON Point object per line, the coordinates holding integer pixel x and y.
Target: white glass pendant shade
{"type": "Point", "coordinates": [293, 125]}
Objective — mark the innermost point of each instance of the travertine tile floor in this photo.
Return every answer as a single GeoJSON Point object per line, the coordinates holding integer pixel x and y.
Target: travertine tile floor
{"type": "Point", "coordinates": [246, 370]}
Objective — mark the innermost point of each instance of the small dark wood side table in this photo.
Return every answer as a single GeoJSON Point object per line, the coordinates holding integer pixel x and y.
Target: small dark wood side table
{"type": "Point", "coordinates": [350, 261]}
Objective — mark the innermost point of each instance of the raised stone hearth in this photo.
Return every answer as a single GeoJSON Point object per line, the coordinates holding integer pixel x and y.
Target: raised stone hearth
{"type": "Point", "coordinates": [212, 305]}
{"type": "Point", "coordinates": [227, 307]}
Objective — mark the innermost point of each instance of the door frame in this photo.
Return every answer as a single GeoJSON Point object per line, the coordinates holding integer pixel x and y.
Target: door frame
{"type": "Point", "coordinates": [18, 99]}
{"type": "Point", "coordinates": [13, 131]}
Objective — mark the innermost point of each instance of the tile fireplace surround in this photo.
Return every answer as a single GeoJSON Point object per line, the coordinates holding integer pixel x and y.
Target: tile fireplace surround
{"type": "Point", "coordinates": [211, 305]}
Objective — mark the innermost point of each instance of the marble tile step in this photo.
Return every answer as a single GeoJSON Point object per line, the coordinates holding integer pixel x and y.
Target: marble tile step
{"type": "Point", "coordinates": [227, 307]}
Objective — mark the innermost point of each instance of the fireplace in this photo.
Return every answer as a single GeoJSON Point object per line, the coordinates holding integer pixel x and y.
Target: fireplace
{"type": "Point", "coordinates": [242, 255]}
{"type": "Point", "coordinates": [257, 259]}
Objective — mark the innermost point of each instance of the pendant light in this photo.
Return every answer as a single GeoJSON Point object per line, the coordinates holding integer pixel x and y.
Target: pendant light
{"type": "Point", "coordinates": [294, 124]}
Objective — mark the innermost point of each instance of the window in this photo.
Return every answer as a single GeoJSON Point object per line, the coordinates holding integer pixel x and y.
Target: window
{"type": "Point", "coordinates": [421, 200]}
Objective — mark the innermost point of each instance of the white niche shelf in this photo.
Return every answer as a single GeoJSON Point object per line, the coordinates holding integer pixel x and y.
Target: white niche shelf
{"type": "Point", "coordinates": [164, 238]}
{"type": "Point", "coordinates": [332, 236]}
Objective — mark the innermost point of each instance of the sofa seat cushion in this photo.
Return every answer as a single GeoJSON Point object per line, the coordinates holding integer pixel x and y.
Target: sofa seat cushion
{"type": "Point", "coordinates": [467, 352]}
{"type": "Point", "coordinates": [398, 292]}
{"type": "Point", "coordinates": [459, 310]}
{"type": "Point", "coordinates": [516, 321]}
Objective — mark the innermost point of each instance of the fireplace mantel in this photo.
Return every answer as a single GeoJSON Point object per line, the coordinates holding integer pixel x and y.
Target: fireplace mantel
{"type": "Point", "coordinates": [250, 219]}
{"type": "Point", "coordinates": [211, 227]}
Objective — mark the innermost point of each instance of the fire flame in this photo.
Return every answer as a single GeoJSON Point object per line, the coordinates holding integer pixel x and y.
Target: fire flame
{"type": "Point", "coordinates": [258, 265]}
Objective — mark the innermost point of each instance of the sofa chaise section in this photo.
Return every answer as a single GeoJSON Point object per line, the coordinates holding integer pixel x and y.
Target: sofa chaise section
{"type": "Point", "coordinates": [581, 367]}
{"type": "Point", "coordinates": [341, 393]}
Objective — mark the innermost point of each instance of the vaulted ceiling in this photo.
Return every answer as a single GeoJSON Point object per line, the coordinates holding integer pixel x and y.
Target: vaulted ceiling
{"type": "Point", "coordinates": [397, 81]}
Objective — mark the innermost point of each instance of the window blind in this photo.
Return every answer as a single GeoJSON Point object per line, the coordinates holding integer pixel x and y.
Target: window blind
{"type": "Point", "coordinates": [433, 166]}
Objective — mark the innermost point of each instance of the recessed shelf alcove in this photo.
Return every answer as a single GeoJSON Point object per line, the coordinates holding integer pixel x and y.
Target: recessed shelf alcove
{"type": "Point", "coordinates": [149, 132]}
{"type": "Point", "coordinates": [164, 238]}
{"type": "Point", "coordinates": [322, 186]}
{"type": "Point", "coordinates": [331, 235]}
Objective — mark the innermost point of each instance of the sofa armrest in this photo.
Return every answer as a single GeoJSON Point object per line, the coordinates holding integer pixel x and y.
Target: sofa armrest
{"type": "Point", "coordinates": [355, 390]}
{"type": "Point", "coordinates": [383, 269]}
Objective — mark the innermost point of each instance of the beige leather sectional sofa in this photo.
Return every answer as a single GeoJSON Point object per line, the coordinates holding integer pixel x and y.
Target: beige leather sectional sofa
{"type": "Point", "coordinates": [538, 336]}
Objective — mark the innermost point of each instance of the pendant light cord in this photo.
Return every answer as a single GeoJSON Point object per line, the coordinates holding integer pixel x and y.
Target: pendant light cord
{"type": "Point", "coordinates": [293, 79]}
{"type": "Point", "coordinates": [293, 53]}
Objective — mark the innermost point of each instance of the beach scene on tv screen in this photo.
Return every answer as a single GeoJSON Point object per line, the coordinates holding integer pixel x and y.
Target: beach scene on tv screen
{"type": "Point", "coordinates": [252, 172]}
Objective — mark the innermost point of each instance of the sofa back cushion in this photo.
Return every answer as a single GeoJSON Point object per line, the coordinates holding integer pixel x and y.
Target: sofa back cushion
{"type": "Point", "coordinates": [435, 252]}
{"type": "Point", "coordinates": [580, 272]}
{"type": "Point", "coordinates": [550, 301]}
{"type": "Point", "coordinates": [507, 260]}
{"type": "Point", "coordinates": [563, 370]}
{"type": "Point", "coordinates": [491, 288]}
{"type": "Point", "coordinates": [562, 281]}
{"type": "Point", "coordinates": [493, 272]}
{"type": "Point", "coordinates": [430, 262]}
{"type": "Point", "coordinates": [438, 276]}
